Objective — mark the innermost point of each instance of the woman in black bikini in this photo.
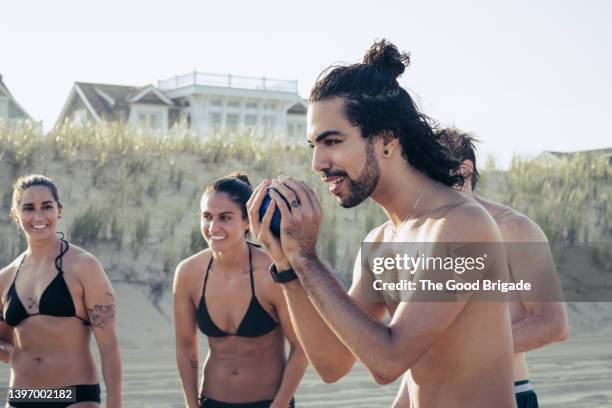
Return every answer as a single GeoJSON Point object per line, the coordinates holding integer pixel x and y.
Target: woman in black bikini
{"type": "Point", "coordinates": [227, 292]}
{"type": "Point", "coordinates": [53, 296]}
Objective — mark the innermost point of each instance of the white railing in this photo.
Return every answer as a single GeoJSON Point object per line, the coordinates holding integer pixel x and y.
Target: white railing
{"type": "Point", "coordinates": [228, 81]}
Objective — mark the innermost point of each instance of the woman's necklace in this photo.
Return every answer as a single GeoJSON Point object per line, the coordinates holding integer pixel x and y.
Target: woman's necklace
{"type": "Point", "coordinates": [394, 230]}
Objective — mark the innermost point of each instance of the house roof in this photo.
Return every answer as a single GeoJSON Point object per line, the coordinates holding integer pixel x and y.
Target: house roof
{"type": "Point", "coordinates": [17, 106]}
{"type": "Point", "coordinates": [607, 150]}
{"type": "Point", "coordinates": [297, 109]}
{"type": "Point", "coordinates": [105, 98]}
{"type": "Point", "coordinates": [113, 101]}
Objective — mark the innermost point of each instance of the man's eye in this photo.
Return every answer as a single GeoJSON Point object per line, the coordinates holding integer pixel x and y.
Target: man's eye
{"type": "Point", "coordinates": [330, 142]}
{"type": "Point", "coordinates": [311, 145]}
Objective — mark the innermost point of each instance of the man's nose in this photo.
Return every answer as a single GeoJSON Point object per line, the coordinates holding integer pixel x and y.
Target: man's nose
{"type": "Point", "coordinates": [320, 160]}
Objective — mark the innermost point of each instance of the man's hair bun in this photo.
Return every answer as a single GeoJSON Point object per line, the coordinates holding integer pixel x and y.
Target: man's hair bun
{"type": "Point", "coordinates": [386, 57]}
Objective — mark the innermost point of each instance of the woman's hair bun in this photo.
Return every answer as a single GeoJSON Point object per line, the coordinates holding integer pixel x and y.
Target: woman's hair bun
{"type": "Point", "coordinates": [241, 176]}
{"type": "Point", "coordinates": [386, 57]}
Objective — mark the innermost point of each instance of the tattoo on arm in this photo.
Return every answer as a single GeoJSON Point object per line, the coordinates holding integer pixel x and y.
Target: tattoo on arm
{"type": "Point", "coordinates": [99, 315]}
{"type": "Point", "coordinates": [193, 362]}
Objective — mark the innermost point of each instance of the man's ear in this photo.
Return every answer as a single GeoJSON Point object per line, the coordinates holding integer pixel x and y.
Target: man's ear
{"type": "Point", "coordinates": [389, 141]}
{"type": "Point", "coordinates": [466, 168]}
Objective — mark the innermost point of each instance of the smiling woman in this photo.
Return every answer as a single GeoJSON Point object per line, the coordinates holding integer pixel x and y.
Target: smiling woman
{"type": "Point", "coordinates": [227, 292]}
{"type": "Point", "coordinates": [53, 296]}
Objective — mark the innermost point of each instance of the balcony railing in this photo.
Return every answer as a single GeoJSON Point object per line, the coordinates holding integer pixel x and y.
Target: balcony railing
{"type": "Point", "coordinates": [228, 81]}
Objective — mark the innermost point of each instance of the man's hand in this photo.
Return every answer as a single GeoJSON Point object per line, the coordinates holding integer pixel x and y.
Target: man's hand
{"type": "Point", "coordinates": [300, 220]}
{"type": "Point", "coordinates": [261, 229]}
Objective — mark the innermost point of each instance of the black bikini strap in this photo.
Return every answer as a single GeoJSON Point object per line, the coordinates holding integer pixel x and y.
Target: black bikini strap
{"type": "Point", "coordinates": [206, 276]}
{"type": "Point", "coordinates": [251, 271]}
{"type": "Point", "coordinates": [19, 267]}
{"type": "Point", "coordinates": [64, 246]}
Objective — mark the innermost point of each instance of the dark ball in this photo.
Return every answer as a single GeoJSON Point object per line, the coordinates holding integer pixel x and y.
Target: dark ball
{"type": "Point", "coordinates": [276, 217]}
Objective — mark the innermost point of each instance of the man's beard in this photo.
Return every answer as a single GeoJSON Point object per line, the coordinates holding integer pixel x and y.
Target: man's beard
{"type": "Point", "coordinates": [367, 181]}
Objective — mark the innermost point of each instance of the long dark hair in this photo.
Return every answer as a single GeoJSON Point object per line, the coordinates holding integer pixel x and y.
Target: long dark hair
{"type": "Point", "coordinates": [374, 101]}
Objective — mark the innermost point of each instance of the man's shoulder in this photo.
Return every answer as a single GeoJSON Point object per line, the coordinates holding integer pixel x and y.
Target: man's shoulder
{"type": "Point", "coordinates": [517, 227]}
{"type": "Point", "coordinates": [468, 222]}
{"type": "Point", "coordinates": [514, 225]}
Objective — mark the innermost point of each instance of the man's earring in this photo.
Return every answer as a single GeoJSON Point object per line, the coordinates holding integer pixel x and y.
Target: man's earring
{"type": "Point", "coordinates": [386, 152]}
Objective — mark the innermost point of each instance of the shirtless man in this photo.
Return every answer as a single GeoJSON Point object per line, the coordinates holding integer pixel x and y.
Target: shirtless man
{"type": "Point", "coordinates": [369, 140]}
{"type": "Point", "coordinates": [534, 324]}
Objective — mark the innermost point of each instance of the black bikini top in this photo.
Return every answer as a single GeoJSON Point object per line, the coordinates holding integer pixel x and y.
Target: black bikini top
{"type": "Point", "coordinates": [54, 301]}
{"type": "Point", "coordinates": [256, 322]}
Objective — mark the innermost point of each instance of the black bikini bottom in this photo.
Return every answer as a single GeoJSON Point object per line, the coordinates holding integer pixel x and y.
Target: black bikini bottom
{"type": "Point", "coordinates": [211, 403]}
{"type": "Point", "coordinates": [83, 393]}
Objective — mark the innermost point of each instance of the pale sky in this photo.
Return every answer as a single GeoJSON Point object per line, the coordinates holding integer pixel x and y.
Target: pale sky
{"type": "Point", "coordinates": [524, 76]}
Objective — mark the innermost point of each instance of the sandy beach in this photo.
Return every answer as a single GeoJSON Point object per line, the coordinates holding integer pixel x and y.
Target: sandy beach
{"type": "Point", "coordinates": [574, 373]}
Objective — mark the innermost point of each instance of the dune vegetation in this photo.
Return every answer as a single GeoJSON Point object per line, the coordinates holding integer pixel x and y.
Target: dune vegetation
{"type": "Point", "coordinates": [132, 197]}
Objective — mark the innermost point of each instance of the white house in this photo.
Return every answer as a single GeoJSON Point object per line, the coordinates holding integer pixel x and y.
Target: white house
{"type": "Point", "coordinates": [229, 103]}
{"type": "Point", "coordinates": [10, 111]}
{"type": "Point", "coordinates": [210, 103]}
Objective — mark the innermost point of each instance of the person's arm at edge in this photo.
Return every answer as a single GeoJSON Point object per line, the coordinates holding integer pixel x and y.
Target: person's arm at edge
{"type": "Point", "coordinates": [101, 309]}
{"type": "Point", "coordinates": [402, 398]}
{"type": "Point", "coordinates": [547, 321]}
{"type": "Point", "coordinates": [185, 334]}
{"type": "Point", "coordinates": [6, 331]}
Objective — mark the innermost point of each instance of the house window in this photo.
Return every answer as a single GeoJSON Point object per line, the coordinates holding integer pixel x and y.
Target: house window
{"type": "Point", "coordinates": [250, 120]}
{"type": "Point", "coordinates": [150, 120]}
{"type": "Point", "coordinates": [269, 122]}
{"type": "Point", "coordinates": [233, 104]}
{"type": "Point", "coordinates": [214, 121]}
{"type": "Point", "coordinates": [250, 105]}
{"type": "Point", "coordinates": [300, 131]}
{"type": "Point", "coordinates": [270, 105]}
{"type": "Point", "coordinates": [79, 116]}
{"type": "Point", "coordinates": [215, 102]}
{"type": "Point", "coordinates": [231, 121]}
{"type": "Point", "coordinates": [155, 120]}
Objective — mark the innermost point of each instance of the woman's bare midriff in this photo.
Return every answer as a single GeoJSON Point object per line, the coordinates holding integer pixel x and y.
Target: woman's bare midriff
{"type": "Point", "coordinates": [244, 369]}
{"type": "Point", "coordinates": [52, 352]}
